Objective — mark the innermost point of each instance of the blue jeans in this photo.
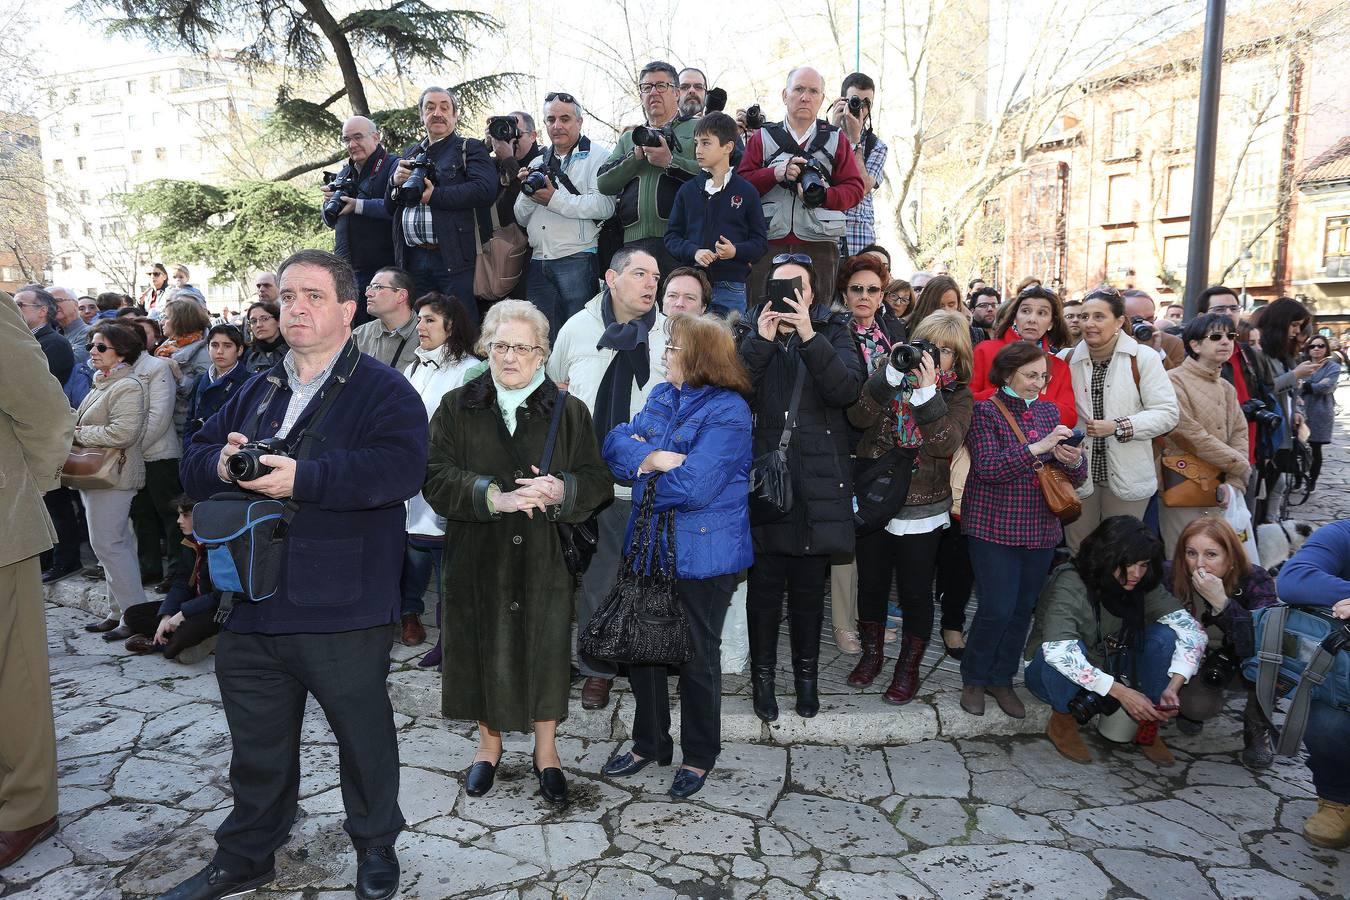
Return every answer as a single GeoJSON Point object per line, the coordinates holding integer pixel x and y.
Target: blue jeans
{"type": "Point", "coordinates": [1150, 677]}
{"type": "Point", "coordinates": [1327, 737]}
{"type": "Point", "coordinates": [561, 287]}
{"type": "Point", "coordinates": [1008, 581]}
{"type": "Point", "coordinates": [429, 274]}
{"type": "Point", "coordinates": [727, 297]}
{"type": "Point", "coordinates": [421, 558]}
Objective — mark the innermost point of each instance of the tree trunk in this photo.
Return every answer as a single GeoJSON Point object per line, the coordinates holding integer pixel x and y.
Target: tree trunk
{"type": "Point", "coordinates": [356, 91]}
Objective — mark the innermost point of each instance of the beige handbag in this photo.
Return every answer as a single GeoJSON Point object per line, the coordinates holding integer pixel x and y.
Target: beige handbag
{"type": "Point", "coordinates": [501, 260]}
{"type": "Point", "coordinates": [93, 468]}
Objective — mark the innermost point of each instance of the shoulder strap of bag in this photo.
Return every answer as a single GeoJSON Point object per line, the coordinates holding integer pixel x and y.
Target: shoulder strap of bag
{"type": "Point", "coordinates": [1269, 656]}
{"type": "Point", "coordinates": [1323, 658]}
{"type": "Point", "coordinates": [552, 438]}
{"type": "Point", "coordinates": [1012, 422]}
{"type": "Point", "coordinates": [791, 419]}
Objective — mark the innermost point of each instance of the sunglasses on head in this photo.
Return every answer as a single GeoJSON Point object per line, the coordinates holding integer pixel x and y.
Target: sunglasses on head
{"type": "Point", "coordinates": [800, 259]}
{"type": "Point", "coordinates": [559, 95]}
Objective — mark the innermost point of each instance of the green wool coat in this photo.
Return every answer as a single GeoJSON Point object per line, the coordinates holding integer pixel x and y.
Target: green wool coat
{"type": "Point", "coordinates": [506, 632]}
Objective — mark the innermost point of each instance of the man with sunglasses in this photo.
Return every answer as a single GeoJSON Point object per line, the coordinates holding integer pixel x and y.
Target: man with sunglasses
{"type": "Point", "coordinates": [870, 154]}
{"type": "Point", "coordinates": [644, 180]}
{"type": "Point", "coordinates": [563, 218]}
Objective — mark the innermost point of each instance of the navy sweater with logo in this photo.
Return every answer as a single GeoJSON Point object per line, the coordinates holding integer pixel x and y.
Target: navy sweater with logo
{"type": "Point", "coordinates": [699, 219]}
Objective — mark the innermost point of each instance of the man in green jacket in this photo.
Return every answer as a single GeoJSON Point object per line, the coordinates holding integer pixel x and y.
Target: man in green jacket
{"type": "Point", "coordinates": [645, 179]}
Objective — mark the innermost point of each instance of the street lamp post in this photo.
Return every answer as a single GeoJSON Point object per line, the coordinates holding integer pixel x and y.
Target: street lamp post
{"type": "Point", "coordinates": [1206, 140]}
{"type": "Point", "coordinates": [1245, 269]}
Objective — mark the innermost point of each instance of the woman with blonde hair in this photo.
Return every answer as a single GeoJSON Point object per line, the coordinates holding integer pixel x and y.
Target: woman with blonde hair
{"type": "Point", "coordinates": [185, 325]}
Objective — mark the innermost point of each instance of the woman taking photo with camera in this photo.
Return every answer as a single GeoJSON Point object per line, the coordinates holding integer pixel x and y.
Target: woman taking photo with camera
{"type": "Point", "coordinates": [924, 407]}
{"type": "Point", "coordinates": [1036, 317]}
{"type": "Point", "coordinates": [807, 355]}
{"type": "Point", "coordinates": [1212, 577]}
{"type": "Point", "coordinates": [1108, 635]}
{"type": "Point", "coordinates": [690, 444]}
{"type": "Point", "coordinates": [1211, 428]}
{"type": "Point", "coordinates": [1008, 524]}
{"type": "Point", "coordinates": [507, 633]}
{"type": "Point", "coordinates": [1124, 400]}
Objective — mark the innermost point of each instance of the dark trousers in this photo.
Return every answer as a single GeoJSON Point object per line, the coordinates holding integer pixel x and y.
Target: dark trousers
{"type": "Point", "coordinates": [1327, 736]}
{"type": "Point", "coordinates": [155, 519]}
{"type": "Point", "coordinates": [264, 680]}
{"type": "Point", "coordinates": [363, 277]}
{"type": "Point", "coordinates": [1010, 580]}
{"type": "Point", "coordinates": [599, 579]}
{"type": "Point", "coordinates": [955, 577]}
{"type": "Point", "coordinates": [63, 505]}
{"type": "Point", "coordinates": [429, 274]}
{"type": "Point", "coordinates": [705, 604]}
{"type": "Point", "coordinates": [1147, 668]}
{"type": "Point", "coordinates": [421, 559]}
{"type": "Point", "coordinates": [143, 618]}
{"type": "Point", "coordinates": [907, 561]}
{"type": "Point", "coordinates": [1315, 469]}
{"type": "Point", "coordinates": [803, 577]}
{"type": "Point", "coordinates": [561, 287]}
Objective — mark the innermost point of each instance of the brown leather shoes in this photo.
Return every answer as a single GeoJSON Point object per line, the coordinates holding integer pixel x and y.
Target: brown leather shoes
{"type": "Point", "coordinates": [14, 844]}
{"type": "Point", "coordinates": [101, 627]}
{"type": "Point", "coordinates": [1064, 734]}
{"type": "Point", "coordinates": [1008, 701]}
{"type": "Point", "coordinates": [139, 643]}
{"type": "Point", "coordinates": [595, 692]}
{"type": "Point", "coordinates": [413, 631]}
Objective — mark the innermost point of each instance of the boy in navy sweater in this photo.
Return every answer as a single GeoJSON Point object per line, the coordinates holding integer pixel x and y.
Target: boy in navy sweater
{"type": "Point", "coordinates": [717, 221]}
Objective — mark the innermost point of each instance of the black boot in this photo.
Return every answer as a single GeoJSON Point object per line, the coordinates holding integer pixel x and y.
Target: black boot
{"type": "Point", "coordinates": [805, 635]}
{"type": "Point", "coordinates": [1258, 752]}
{"type": "Point", "coordinates": [763, 634]}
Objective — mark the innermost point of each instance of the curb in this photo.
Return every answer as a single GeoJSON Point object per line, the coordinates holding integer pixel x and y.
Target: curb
{"type": "Point", "coordinates": [848, 719]}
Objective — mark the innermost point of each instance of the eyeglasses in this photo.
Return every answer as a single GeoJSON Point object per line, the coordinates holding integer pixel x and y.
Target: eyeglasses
{"type": "Point", "coordinates": [499, 348]}
{"type": "Point", "coordinates": [379, 287]}
{"type": "Point", "coordinates": [986, 305]}
{"type": "Point", "coordinates": [693, 86]}
{"type": "Point", "coordinates": [1220, 335]}
{"type": "Point", "coordinates": [559, 95]}
{"type": "Point", "coordinates": [1037, 377]}
{"type": "Point", "coordinates": [860, 289]}
{"type": "Point", "coordinates": [1318, 347]}
{"type": "Point", "coordinates": [1224, 310]}
{"type": "Point", "coordinates": [670, 348]}
{"type": "Point", "coordinates": [28, 305]}
{"type": "Point", "coordinates": [101, 348]}
{"type": "Point", "coordinates": [258, 320]}
{"type": "Point", "coordinates": [800, 259]}
{"type": "Point", "coordinates": [659, 86]}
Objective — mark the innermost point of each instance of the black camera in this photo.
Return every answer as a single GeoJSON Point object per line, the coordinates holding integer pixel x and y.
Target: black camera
{"type": "Point", "coordinates": [503, 128]}
{"type": "Point", "coordinates": [907, 357]}
{"type": "Point", "coordinates": [855, 106]}
{"type": "Point", "coordinates": [647, 136]}
{"type": "Point", "coordinates": [1085, 704]}
{"type": "Point", "coordinates": [754, 118]}
{"type": "Point", "coordinates": [246, 465]}
{"type": "Point", "coordinates": [1256, 411]}
{"type": "Point", "coordinates": [341, 186]}
{"type": "Point", "coordinates": [1142, 330]}
{"type": "Point", "coordinates": [422, 171]}
{"type": "Point", "coordinates": [814, 181]}
{"type": "Point", "coordinates": [1218, 668]}
{"type": "Point", "coordinates": [537, 180]}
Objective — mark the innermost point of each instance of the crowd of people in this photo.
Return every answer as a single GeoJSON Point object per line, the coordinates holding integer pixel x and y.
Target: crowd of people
{"type": "Point", "coordinates": [738, 362]}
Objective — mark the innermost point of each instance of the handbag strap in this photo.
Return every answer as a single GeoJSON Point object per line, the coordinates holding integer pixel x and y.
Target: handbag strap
{"type": "Point", "coordinates": [553, 426]}
{"type": "Point", "coordinates": [1017, 429]}
{"type": "Point", "coordinates": [790, 421]}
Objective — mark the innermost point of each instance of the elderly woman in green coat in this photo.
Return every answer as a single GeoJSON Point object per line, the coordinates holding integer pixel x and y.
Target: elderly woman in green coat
{"type": "Point", "coordinates": [507, 625]}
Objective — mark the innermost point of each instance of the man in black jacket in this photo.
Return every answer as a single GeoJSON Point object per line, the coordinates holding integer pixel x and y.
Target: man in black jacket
{"type": "Point", "coordinates": [434, 238]}
{"type": "Point", "coordinates": [363, 233]}
{"type": "Point", "coordinates": [38, 309]}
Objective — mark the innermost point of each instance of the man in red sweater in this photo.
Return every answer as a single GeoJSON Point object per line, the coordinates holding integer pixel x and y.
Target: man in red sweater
{"type": "Point", "coordinates": [775, 158]}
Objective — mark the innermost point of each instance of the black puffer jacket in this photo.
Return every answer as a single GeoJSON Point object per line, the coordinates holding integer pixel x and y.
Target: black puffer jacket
{"type": "Point", "coordinates": [821, 519]}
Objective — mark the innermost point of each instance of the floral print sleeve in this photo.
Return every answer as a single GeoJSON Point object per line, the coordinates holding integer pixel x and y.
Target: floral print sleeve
{"type": "Point", "coordinates": [1190, 646]}
{"type": "Point", "coordinates": [1068, 659]}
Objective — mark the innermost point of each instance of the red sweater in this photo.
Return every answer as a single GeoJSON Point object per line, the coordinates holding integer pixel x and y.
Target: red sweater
{"type": "Point", "coordinates": [1059, 391]}
{"type": "Point", "coordinates": [846, 183]}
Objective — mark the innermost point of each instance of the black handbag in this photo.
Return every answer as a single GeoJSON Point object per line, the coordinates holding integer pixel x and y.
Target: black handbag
{"type": "Point", "coordinates": [880, 487]}
{"type": "Point", "coordinates": [579, 541]}
{"type": "Point", "coordinates": [642, 621]}
{"type": "Point", "coordinates": [771, 493]}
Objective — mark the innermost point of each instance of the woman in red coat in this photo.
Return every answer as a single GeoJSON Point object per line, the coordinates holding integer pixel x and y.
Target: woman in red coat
{"type": "Point", "coordinates": [1037, 316]}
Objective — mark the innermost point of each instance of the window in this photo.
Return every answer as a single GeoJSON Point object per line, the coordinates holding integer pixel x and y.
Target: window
{"type": "Point", "coordinates": [65, 262]}
{"type": "Point", "coordinates": [133, 122]}
{"type": "Point", "coordinates": [1180, 180]}
{"type": "Point", "coordinates": [81, 162]}
{"type": "Point", "coordinates": [1175, 252]}
{"type": "Point", "coordinates": [131, 86]}
{"type": "Point", "coordinates": [58, 165]}
{"type": "Point", "coordinates": [1122, 133]}
{"type": "Point", "coordinates": [86, 230]}
{"type": "Point", "coordinates": [1257, 179]}
{"type": "Point", "coordinates": [1236, 234]}
{"type": "Point", "coordinates": [84, 196]}
{"type": "Point", "coordinates": [156, 119]}
{"type": "Point", "coordinates": [161, 154]}
{"type": "Point", "coordinates": [1120, 198]}
{"type": "Point", "coordinates": [135, 157]}
{"type": "Point", "coordinates": [1337, 243]}
{"type": "Point", "coordinates": [1184, 113]}
{"type": "Point", "coordinates": [63, 231]}
{"type": "Point", "coordinates": [107, 124]}
{"type": "Point", "coordinates": [1117, 262]}
{"type": "Point", "coordinates": [154, 84]}
{"type": "Point", "coordinates": [76, 128]}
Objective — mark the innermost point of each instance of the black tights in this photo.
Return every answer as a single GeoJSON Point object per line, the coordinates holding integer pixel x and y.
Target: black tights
{"type": "Point", "coordinates": [907, 560]}
{"type": "Point", "coordinates": [1316, 468]}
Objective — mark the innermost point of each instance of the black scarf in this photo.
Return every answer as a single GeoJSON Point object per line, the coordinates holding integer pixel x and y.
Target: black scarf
{"type": "Point", "coordinates": [631, 363]}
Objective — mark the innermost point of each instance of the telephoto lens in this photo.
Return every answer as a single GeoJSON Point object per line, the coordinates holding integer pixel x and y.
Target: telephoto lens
{"type": "Point", "coordinates": [1142, 330]}
{"type": "Point", "coordinates": [537, 180]}
{"type": "Point", "coordinates": [907, 357]}
{"type": "Point", "coordinates": [644, 136]}
{"type": "Point", "coordinates": [754, 118]}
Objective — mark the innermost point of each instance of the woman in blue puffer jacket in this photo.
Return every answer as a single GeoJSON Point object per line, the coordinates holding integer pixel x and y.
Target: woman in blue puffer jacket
{"type": "Point", "coordinates": [691, 444]}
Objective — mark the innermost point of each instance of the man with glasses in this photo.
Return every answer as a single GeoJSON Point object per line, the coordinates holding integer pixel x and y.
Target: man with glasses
{"type": "Point", "coordinates": [392, 336]}
{"type": "Point", "coordinates": [362, 229]}
{"type": "Point", "coordinates": [870, 154]}
{"type": "Point", "coordinates": [38, 309]}
{"type": "Point", "coordinates": [777, 156]}
{"type": "Point", "coordinates": [71, 321]}
{"type": "Point", "coordinates": [1241, 368]}
{"type": "Point", "coordinates": [563, 218]}
{"type": "Point", "coordinates": [645, 178]}
{"type": "Point", "coordinates": [610, 355]}
{"type": "Point", "coordinates": [693, 87]}
{"type": "Point", "coordinates": [1140, 304]}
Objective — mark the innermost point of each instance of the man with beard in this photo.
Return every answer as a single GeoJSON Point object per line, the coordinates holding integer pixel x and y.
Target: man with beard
{"type": "Point", "coordinates": [693, 86]}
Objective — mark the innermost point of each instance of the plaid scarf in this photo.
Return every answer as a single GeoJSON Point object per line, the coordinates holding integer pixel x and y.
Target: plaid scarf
{"type": "Point", "coordinates": [907, 432]}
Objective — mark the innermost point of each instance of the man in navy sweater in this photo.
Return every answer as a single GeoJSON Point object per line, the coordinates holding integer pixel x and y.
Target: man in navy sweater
{"type": "Point", "coordinates": [1319, 575]}
{"type": "Point", "coordinates": [329, 628]}
{"type": "Point", "coordinates": [717, 221]}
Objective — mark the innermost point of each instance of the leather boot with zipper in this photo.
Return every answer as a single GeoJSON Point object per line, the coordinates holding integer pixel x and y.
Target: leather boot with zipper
{"type": "Point", "coordinates": [762, 629]}
{"type": "Point", "coordinates": [805, 635]}
{"type": "Point", "coordinates": [873, 636]}
{"type": "Point", "coordinates": [905, 681]}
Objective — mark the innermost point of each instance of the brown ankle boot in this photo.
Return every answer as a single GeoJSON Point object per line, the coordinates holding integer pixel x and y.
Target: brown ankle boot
{"type": "Point", "coordinates": [872, 635]}
{"type": "Point", "coordinates": [1329, 826]}
{"type": "Point", "coordinates": [1151, 743]}
{"type": "Point", "coordinates": [905, 681]}
{"type": "Point", "coordinates": [1064, 734]}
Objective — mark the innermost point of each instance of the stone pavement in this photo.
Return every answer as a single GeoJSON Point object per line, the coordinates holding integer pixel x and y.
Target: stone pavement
{"type": "Point", "coordinates": [144, 751]}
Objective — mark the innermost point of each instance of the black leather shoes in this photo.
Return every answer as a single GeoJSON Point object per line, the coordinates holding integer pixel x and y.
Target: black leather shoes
{"type": "Point", "coordinates": [687, 783]}
{"type": "Point", "coordinates": [102, 627]}
{"type": "Point", "coordinates": [120, 633]}
{"type": "Point", "coordinates": [213, 883]}
{"type": "Point", "coordinates": [626, 764]}
{"type": "Point", "coordinates": [376, 873]}
{"type": "Point", "coordinates": [478, 780]}
{"type": "Point", "coordinates": [552, 785]}
{"type": "Point", "coordinates": [56, 573]}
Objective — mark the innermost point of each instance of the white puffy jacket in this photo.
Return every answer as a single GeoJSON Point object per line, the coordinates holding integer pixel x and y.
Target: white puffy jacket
{"type": "Point", "coordinates": [433, 376]}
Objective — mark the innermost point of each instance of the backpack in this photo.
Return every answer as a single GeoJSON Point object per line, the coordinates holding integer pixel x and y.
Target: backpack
{"type": "Point", "coordinates": [1303, 654]}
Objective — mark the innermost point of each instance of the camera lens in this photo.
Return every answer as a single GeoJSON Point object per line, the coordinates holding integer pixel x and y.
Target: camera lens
{"type": "Point", "coordinates": [535, 181]}
{"type": "Point", "coordinates": [754, 118]}
{"type": "Point", "coordinates": [644, 136]}
{"type": "Point", "coordinates": [813, 186]}
{"type": "Point", "coordinates": [855, 105]}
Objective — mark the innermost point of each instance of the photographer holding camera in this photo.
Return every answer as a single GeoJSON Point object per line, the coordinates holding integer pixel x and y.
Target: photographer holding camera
{"type": "Point", "coordinates": [329, 627]}
{"type": "Point", "coordinates": [852, 113]}
{"type": "Point", "coordinates": [1142, 311]}
{"type": "Point", "coordinates": [650, 162]}
{"type": "Point", "coordinates": [562, 211]}
{"type": "Point", "coordinates": [433, 195]}
{"type": "Point", "coordinates": [354, 207]}
{"type": "Point", "coordinates": [807, 176]}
